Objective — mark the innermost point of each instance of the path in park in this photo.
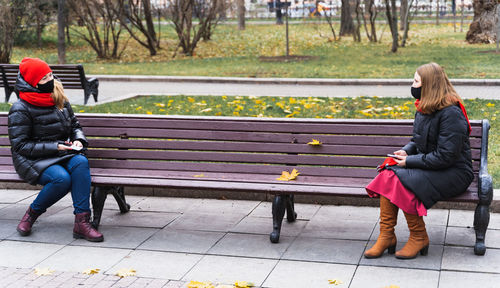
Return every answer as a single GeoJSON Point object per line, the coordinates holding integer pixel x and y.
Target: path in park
{"type": "Point", "coordinates": [114, 88]}
{"type": "Point", "coordinates": [171, 241]}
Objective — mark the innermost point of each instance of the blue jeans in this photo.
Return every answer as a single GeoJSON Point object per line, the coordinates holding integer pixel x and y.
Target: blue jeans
{"type": "Point", "coordinates": [59, 179]}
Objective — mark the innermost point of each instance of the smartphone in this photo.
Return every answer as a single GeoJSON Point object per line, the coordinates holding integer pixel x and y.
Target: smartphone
{"type": "Point", "coordinates": [76, 148]}
{"type": "Point", "coordinates": [393, 156]}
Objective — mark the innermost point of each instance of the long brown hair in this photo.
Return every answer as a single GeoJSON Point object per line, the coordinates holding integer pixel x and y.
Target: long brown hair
{"type": "Point", "coordinates": [437, 91]}
{"type": "Point", "coordinates": [58, 95]}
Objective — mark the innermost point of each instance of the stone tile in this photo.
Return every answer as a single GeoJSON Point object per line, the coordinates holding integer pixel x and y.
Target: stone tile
{"type": "Point", "coordinates": [120, 237]}
{"type": "Point", "coordinates": [155, 264]}
{"type": "Point", "coordinates": [259, 225]}
{"type": "Point", "coordinates": [430, 262]}
{"type": "Point", "coordinates": [80, 258]}
{"type": "Point", "coordinates": [44, 232]}
{"type": "Point", "coordinates": [132, 200]}
{"type": "Point", "coordinates": [325, 250]}
{"type": "Point", "coordinates": [137, 219]}
{"type": "Point", "coordinates": [165, 204]}
{"type": "Point", "coordinates": [8, 228]}
{"type": "Point", "coordinates": [250, 245]}
{"type": "Point", "coordinates": [462, 236]}
{"type": "Point", "coordinates": [464, 259]}
{"type": "Point", "coordinates": [3, 206]}
{"type": "Point", "coordinates": [227, 270]}
{"type": "Point", "coordinates": [182, 241]}
{"type": "Point", "coordinates": [14, 196]}
{"type": "Point", "coordinates": [462, 218]}
{"type": "Point", "coordinates": [342, 213]}
{"type": "Point", "coordinates": [25, 254]}
{"type": "Point", "coordinates": [370, 276]}
{"type": "Point", "coordinates": [339, 228]}
{"type": "Point", "coordinates": [16, 212]}
{"type": "Point", "coordinates": [434, 217]}
{"type": "Point", "coordinates": [436, 233]}
{"type": "Point", "coordinates": [64, 216]}
{"type": "Point", "coordinates": [216, 206]}
{"type": "Point", "coordinates": [304, 211]}
{"type": "Point", "coordinates": [293, 274]}
{"type": "Point", "coordinates": [66, 201]}
{"type": "Point", "coordinates": [206, 222]}
{"type": "Point", "coordinates": [451, 279]}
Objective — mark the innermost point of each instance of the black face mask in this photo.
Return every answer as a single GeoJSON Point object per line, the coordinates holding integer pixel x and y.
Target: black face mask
{"type": "Point", "coordinates": [416, 92]}
{"type": "Point", "coordinates": [47, 87]}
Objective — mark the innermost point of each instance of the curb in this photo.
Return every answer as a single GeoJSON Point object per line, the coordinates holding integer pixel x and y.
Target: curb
{"type": "Point", "coordinates": [284, 81]}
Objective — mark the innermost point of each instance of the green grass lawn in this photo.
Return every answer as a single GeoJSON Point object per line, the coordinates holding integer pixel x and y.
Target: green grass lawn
{"type": "Point", "coordinates": [360, 107]}
{"type": "Point", "coordinates": [236, 53]}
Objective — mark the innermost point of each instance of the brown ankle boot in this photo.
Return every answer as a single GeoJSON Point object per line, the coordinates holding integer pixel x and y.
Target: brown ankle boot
{"type": "Point", "coordinates": [387, 238]}
{"type": "Point", "coordinates": [418, 241]}
{"type": "Point", "coordinates": [83, 228]}
{"type": "Point", "coordinates": [29, 218]}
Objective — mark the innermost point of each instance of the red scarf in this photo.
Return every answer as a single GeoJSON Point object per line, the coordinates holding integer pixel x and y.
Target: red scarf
{"type": "Point", "coordinates": [37, 99]}
{"type": "Point", "coordinates": [461, 107]}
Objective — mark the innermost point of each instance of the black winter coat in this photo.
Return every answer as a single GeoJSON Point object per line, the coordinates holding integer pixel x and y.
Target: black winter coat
{"type": "Point", "coordinates": [439, 165]}
{"type": "Point", "coordinates": [34, 134]}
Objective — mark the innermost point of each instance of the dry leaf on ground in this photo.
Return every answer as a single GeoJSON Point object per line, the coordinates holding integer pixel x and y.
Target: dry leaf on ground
{"type": "Point", "coordinates": [91, 271]}
{"type": "Point", "coordinates": [198, 284]}
{"type": "Point", "coordinates": [243, 284]}
{"type": "Point", "coordinates": [125, 272]}
{"type": "Point", "coordinates": [335, 282]}
{"type": "Point", "coordinates": [43, 271]}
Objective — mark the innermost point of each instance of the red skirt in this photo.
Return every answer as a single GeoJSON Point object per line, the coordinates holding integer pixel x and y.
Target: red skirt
{"type": "Point", "coordinates": [388, 185]}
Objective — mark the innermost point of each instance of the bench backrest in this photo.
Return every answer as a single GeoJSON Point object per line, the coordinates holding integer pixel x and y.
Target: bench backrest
{"type": "Point", "coordinates": [215, 147]}
{"type": "Point", "coordinates": [72, 76]}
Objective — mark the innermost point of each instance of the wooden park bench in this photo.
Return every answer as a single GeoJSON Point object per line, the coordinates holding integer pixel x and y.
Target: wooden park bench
{"type": "Point", "coordinates": [71, 76]}
{"type": "Point", "coordinates": [248, 155]}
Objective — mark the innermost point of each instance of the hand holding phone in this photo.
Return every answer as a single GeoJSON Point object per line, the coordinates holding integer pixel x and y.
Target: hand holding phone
{"type": "Point", "coordinates": [76, 148]}
{"type": "Point", "coordinates": [393, 156]}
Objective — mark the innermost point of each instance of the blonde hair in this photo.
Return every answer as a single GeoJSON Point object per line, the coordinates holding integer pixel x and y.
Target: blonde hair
{"type": "Point", "coordinates": [437, 91]}
{"type": "Point", "coordinates": [58, 95]}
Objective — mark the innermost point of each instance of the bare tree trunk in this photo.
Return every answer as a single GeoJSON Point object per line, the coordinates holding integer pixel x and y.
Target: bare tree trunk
{"type": "Point", "coordinates": [482, 29]}
{"type": "Point", "coordinates": [61, 24]}
{"type": "Point", "coordinates": [403, 12]}
{"type": "Point", "coordinates": [357, 34]}
{"type": "Point", "coordinates": [241, 14]}
{"type": "Point", "coordinates": [39, 29]}
{"type": "Point", "coordinates": [346, 22]}
{"type": "Point", "coordinates": [409, 17]}
{"type": "Point", "coordinates": [371, 8]}
{"type": "Point", "coordinates": [462, 17]}
{"type": "Point", "coordinates": [392, 20]}
{"type": "Point", "coordinates": [437, 12]}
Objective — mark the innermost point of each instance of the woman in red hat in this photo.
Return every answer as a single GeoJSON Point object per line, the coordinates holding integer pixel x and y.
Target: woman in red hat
{"type": "Point", "coordinates": [47, 144]}
{"type": "Point", "coordinates": [435, 165]}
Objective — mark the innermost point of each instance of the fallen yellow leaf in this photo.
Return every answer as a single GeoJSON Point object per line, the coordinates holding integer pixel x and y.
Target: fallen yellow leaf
{"type": "Point", "coordinates": [287, 176]}
{"type": "Point", "coordinates": [315, 142]}
{"type": "Point", "coordinates": [392, 286]}
{"type": "Point", "coordinates": [125, 272]}
{"type": "Point", "coordinates": [199, 175]}
{"type": "Point", "coordinates": [197, 284]}
{"type": "Point", "coordinates": [91, 271]}
{"type": "Point", "coordinates": [335, 282]}
{"type": "Point", "coordinates": [43, 271]}
{"type": "Point", "coordinates": [243, 284]}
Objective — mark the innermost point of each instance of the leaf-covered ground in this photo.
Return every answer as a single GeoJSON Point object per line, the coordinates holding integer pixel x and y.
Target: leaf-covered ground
{"type": "Point", "coordinates": [236, 53]}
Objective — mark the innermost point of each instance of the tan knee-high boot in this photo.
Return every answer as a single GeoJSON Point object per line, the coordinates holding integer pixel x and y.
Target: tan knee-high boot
{"type": "Point", "coordinates": [418, 241]}
{"type": "Point", "coordinates": [387, 238]}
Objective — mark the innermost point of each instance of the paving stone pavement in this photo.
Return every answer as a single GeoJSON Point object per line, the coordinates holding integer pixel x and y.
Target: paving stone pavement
{"type": "Point", "coordinates": [172, 241]}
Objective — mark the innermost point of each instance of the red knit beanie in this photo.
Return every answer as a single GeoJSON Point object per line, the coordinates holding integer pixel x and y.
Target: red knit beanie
{"type": "Point", "coordinates": [33, 70]}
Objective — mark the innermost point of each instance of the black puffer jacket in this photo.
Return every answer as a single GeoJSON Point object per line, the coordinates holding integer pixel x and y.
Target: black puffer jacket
{"type": "Point", "coordinates": [34, 134]}
{"type": "Point", "coordinates": [439, 165]}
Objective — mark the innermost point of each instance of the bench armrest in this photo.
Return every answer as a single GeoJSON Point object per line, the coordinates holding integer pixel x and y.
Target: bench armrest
{"type": "Point", "coordinates": [485, 187]}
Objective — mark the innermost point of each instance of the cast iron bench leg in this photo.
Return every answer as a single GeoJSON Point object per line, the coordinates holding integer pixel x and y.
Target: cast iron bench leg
{"type": "Point", "coordinates": [99, 197]}
{"type": "Point", "coordinates": [291, 215]}
{"type": "Point", "coordinates": [280, 203]}
{"type": "Point", "coordinates": [481, 221]}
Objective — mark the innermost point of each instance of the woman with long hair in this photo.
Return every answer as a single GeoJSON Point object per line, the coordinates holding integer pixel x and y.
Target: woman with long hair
{"type": "Point", "coordinates": [435, 165]}
{"type": "Point", "coordinates": [47, 145]}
